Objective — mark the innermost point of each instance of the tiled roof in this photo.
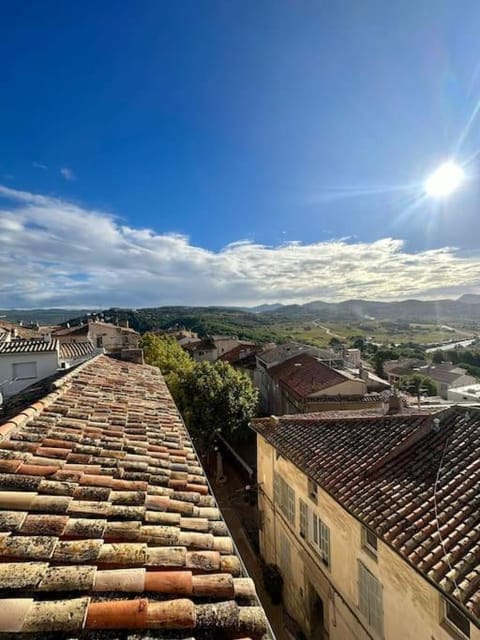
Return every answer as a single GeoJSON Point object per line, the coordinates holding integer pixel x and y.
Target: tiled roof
{"type": "Point", "coordinates": [76, 349]}
{"type": "Point", "coordinates": [107, 521]}
{"type": "Point", "coordinates": [23, 332]}
{"type": "Point", "coordinates": [283, 351]}
{"type": "Point", "coordinates": [443, 373]}
{"type": "Point", "coordinates": [206, 344]}
{"type": "Point", "coordinates": [304, 375]}
{"type": "Point", "coordinates": [67, 331]}
{"type": "Point", "coordinates": [240, 352]}
{"type": "Point", "coordinates": [27, 346]}
{"type": "Point", "coordinates": [394, 474]}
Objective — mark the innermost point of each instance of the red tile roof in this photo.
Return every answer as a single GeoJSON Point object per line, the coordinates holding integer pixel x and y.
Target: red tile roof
{"type": "Point", "coordinates": [304, 375]}
{"type": "Point", "coordinates": [107, 521]}
{"type": "Point", "coordinates": [395, 474]}
{"type": "Point", "coordinates": [238, 353]}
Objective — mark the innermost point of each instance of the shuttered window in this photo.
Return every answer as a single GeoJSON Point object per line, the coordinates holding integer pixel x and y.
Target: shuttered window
{"type": "Point", "coordinates": [284, 558]}
{"type": "Point", "coordinates": [370, 598]}
{"type": "Point", "coordinates": [284, 497]}
{"type": "Point", "coordinates": [303, 519]}
{"type": "Point", "coordinates": [315, 531]}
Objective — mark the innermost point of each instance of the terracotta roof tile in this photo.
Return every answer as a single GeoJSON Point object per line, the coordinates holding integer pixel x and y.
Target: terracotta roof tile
{"type": "Point", "coordinates": [104, 508]}
{"type": "Point", "coordinates": [384, 471]}
{"type": "Point", "coordinates": [304, 375]}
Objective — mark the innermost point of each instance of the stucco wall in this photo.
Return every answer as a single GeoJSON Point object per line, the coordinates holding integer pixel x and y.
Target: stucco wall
{"type": "Point", "coordinates": [47, 364]}
{"type": "Point", "coordinates": [412, 606]}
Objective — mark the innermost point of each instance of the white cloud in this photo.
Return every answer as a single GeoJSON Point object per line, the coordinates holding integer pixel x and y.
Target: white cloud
{"type": "Point", "coordinates": [68, 174]}
{"type": "Point", "coordinates": [54, 252]}
{"type": "Point", "coordinates": [39, 165]}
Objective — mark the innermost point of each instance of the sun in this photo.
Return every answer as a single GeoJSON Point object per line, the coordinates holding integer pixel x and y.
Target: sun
{"type": "Point", "coordinates": [444, 180]}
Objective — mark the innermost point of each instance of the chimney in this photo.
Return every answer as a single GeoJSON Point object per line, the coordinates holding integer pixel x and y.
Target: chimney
{"type": "Point", "coordinates": [394, 403]}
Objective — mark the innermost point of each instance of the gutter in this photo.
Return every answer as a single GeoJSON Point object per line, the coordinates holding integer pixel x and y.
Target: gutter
{"type": "Point", "coordinates": [238, 458]}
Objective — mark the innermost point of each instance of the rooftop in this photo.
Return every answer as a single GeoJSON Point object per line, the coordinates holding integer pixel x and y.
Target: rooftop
{"type": "Point", "coordinates": [413, 483]}
{"type": "Point", "coordinates": [76, 349]}
{"type": "Point", "coordinates": [289, 349]}
{"type": "Point", "coordinates": [304, 375]}
{"type": "Point", "coordinates": [27, 346]}
{"type": "Point", "coordinates": [107, 518]}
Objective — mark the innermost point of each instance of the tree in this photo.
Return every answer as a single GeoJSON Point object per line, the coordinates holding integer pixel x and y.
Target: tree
{"type": "Point", "coordinates": [165, 353]}
{"type": "Point", "coordinates": [335, 344]}
{"type": "Point", "coordinates": [217, 399]}
{"type": "Point", "coordinates": [437, 357]}
{"type": "Point", "coordinates": [418, 385]}
{"type": "Point", "coordinates": [359, 343]}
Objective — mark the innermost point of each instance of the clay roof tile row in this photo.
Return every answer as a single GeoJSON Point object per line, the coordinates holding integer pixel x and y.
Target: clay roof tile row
{"type": "Point", "coordinates": [107, 521]}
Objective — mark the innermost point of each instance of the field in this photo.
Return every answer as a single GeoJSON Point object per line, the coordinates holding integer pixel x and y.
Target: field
{"type": "Point", "coordinates": [382, 332]}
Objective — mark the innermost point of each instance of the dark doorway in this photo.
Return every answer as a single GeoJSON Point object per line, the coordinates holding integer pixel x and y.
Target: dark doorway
{"type": "Point", "coordinates": [316, 617]}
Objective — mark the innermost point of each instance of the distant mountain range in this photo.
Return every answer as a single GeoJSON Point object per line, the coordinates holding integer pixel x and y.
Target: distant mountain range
{"type": "Point", "coordinates": [249, 320]}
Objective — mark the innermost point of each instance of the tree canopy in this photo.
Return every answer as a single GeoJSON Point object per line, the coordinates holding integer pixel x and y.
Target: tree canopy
{"type": "Point", "coordinates": [165, 353]}
{"type": "Point", "coordinates": [418, 385]}
{"type": "Point", "coordinates": [213, 398]}
{"type": "Point", "coordinates": [217, 399]}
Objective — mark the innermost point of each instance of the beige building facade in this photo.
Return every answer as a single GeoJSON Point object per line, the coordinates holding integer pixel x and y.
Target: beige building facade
{"type": "Point", "coordinates": [341, 581]}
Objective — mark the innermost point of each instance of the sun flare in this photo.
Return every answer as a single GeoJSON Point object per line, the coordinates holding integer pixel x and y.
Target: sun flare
{"type": "Point", "coordinates": [444, 180]}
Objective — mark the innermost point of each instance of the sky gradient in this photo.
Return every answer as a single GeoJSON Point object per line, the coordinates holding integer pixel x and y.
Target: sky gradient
{"type": "Point", "coordinates": [236, 152]}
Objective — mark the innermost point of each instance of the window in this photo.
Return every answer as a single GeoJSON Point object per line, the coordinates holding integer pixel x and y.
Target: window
{"type": "Point", "coordinates": [284, 557]}
{"type": "Point", "coordinates": [320, 538]}
{"type": "Point", "coordinates": [456, 620]}
{"type": "Point", "coordinates": [369, 541]}
{"type": "Point", "coordinates": [24, 371]}
{"type": "Point", "coordinates": [370, 598]}
{"type": "Point", "coordinates": [284, 497]}
{"type": "Point", "coordinates": [303, 519]}
{"type": "Point", "coordinates": [99, 342]}
{"type": "Point", "coordinates": [312, 490]}
{"type": "Point", "coordinates": [315, 532]}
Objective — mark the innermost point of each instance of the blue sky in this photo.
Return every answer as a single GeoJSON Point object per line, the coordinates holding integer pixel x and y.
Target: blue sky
{"type": "Point", "coordinates": [211, 123]}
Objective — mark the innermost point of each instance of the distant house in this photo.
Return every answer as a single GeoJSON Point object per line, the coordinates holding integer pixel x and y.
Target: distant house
{"type": "Point", "coordinates": [275, 355]}
{"type": "Point", "coordinates": [213, 348]}
{"type": "Point", "coordinates": [304, 384]}
{"type": "Point", "coordinates": [469, 393]}
{"type": "Point", "coordinates": [104, 335]}
{"type": "Point", "coordinates": [447, 376]}
{"type": "Point", "coordinates": [24, 362]}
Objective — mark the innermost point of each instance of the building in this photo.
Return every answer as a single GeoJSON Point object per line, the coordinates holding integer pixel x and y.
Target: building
{"type": "Point", "coordinates": [109, 527]}
{"type": "Point", "coordinates": [470, 393]}
{"type": "Point", "coordinates": [73, 353]}
{"type": "Point", "coordinates": [303, 384]}
{"type": "Point", "coordinates": [104, 335]}
{"type": "Point", "coordinates": [24, 362]}
{"type": "Point", "coordinates": [447, 376]}
{"type": "Point", "coordinates": [278, 354]}
{"type": "Point", "coordinates": [213, 348]}
{"type": "Point", "coordinates": [374, 523]}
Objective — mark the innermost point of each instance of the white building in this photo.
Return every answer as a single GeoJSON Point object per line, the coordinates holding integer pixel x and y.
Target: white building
{"type": "Point", "coordinates": [469, 393]}
{"type": "Point", "coordinates": [24, 362]}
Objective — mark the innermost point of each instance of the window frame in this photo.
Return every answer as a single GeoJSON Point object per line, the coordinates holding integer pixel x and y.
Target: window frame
{"type": "Point", "coordinates": [24, 377]}
{"type": "Point", "coordinates": [284, 497]}
{"type": "Point", "coordinates": [371, 549]}
{"type": "Point", "coordinates": [313, 491]}
{"type": "Point", "coordinates": [370, 599]}
{"type": "Point", "coordinates": [450, 625]}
